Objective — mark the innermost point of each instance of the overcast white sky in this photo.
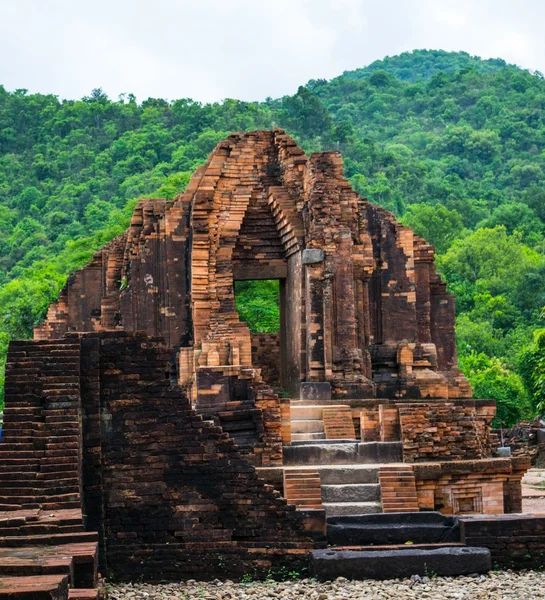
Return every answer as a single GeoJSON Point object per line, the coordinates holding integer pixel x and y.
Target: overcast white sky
{"type": "Point", "coordinates": [249, 49]}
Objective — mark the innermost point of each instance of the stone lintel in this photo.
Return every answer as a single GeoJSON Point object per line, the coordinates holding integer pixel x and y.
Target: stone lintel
{"type": "Point", "coordinates": [248, 272]}
{"type": "Point", "coordinates": [313, 256]}
{"type": "Point", "coordinates": [315, 390]}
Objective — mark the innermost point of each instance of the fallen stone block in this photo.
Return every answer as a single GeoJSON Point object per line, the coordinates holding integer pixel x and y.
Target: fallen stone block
{"type": "Point", "coordinates": [392, 528]}
{"type": "Point", "coordinates": [393, 564]}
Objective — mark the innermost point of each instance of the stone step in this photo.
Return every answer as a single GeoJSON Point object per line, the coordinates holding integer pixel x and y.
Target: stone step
{"type": "Point", "coordinates": [358, 492]}
{"type": "Point", "coordinates": [307, 426]}
{"type": "Point", "coordinates": [393, 528]}
{"type": "Point", "coordinates": [40, 587]}
{"type": "Point", "coordinates": [43, 500]}
{"type": "Point", "coordinates": [349, 474]}
{"type": "Point", "coordinates": [64, 505]}
{"type": "Point", "coordinates": [15, 566]}
{"type": "Point", "coordinates": [305, 437]}
{"type": "Point", "coordinates": [339, 509]}
{"type": "Point", "coordinates": [83, 594]}
{"type": "Point", "coordinates": [7, 508]}
{"type": "Point", "coordinates": [77, 559]}
{"type": "Point", "coordinates": [51, 539]}
{"type": "Point", "coordinates": [42, 529]}
{"type": "Point", "coordinates": [329, 474]}
{"type": "Point", "coordinates": [307, 411]}
{"type": "Point", "coordinates": [52, 493]}
{"type": "Point", "coordinates": [448, 561]}
{"type": "Point", "coordinates": [38, 522]}
{"type": "Point", "coordinates": [324, 442]}
{"type": "Point", "coordinates": [351, 453]}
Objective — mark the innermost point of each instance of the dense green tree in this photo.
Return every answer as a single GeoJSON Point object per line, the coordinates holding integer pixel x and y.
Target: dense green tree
{"type": "Point", "coordinates": [452, 144]}
{"type": "Point", "coordinates": [532, 367]}
{"type": "Point", "coordinates": [257, 303]}
{"type": "Point", "coordinates": [499, 262]}
{"type": "Point", "coordinates": [517, 217]}
{"type": "Point", "coordinates": [492, 379]}
{"type": "Point", "coordinates": [436, 224]}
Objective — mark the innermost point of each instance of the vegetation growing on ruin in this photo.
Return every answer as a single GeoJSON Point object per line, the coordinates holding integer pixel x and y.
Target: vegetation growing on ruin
{"type": "Point", "coordinates": [454, 145]}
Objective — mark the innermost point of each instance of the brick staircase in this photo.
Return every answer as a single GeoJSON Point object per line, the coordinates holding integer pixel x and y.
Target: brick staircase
{"type": "Point", "coordinates": [338, 489]}
{"type": "Point", "coordinates": [398, 489]}
{"type": "Point", "coordinates": [45, 551]}
{"type": "Point", "coordinates": [303, 488]}
{"type": "Point", "coordinates": [320, 422]}
{"type": "Point", "coordinates": [338, 423]}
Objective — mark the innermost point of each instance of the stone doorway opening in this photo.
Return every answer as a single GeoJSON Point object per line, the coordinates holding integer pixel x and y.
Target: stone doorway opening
{"type": "Point", "coordinates": [259, 305]}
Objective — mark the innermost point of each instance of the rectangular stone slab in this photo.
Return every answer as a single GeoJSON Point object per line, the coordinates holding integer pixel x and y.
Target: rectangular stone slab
{"type": "Point", "coordinates": [393, 564]}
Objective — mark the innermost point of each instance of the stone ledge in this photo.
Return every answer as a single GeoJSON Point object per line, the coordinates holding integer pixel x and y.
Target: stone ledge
{"type": "Point", "coordinates": [398, 563]}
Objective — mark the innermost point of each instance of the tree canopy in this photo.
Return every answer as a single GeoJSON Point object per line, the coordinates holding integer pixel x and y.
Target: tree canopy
{"type": "Point", "coordinates": [452, 144]}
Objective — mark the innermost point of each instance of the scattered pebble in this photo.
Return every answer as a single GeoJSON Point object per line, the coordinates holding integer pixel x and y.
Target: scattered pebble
{"type": "Point", "coordinates": [503, 585]}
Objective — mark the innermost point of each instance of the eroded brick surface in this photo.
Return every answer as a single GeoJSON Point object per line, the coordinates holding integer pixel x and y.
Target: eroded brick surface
{"type": "Point", "coordinates": [362, 304]}
{"type": "Point", "coordinates": [146, 401]}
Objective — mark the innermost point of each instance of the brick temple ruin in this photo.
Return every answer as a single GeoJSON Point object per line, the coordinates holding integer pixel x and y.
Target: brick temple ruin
{"type": "Point", "coordinates": [148, 427]}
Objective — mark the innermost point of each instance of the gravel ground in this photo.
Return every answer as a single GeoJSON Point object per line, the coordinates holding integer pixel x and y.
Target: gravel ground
{"type": "Point", "coordinates": [504, 585]}
{"type": "Point", "coordinates": [533, 491]}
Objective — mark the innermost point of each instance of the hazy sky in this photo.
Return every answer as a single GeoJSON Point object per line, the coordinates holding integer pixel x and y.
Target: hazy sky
{"type": "Point", "coordinates": [248, 49]}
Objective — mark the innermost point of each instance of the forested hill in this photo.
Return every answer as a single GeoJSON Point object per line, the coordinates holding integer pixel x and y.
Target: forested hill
{"type": "Point", "coordinates": [452, 144]}
{"type": "Point", "coordinates": [423, 64]}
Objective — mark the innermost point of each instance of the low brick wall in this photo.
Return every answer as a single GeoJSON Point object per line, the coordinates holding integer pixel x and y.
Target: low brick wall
{"type": "Point", "coordinates": [445, 431]}
{"type": "Point", "coordinates": [490, 486]}
{"type": "Point", "coordinates": [515, 541]}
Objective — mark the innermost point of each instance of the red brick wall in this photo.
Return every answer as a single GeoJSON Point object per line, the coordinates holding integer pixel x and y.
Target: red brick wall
{"type": "Point", "coordinates": [443, 430]}
{"type": "Point", "coordinates": [178, 499]}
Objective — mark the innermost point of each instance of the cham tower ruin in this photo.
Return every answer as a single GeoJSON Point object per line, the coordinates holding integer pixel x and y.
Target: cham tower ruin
{"type": "Point", "coordinates": [147, 418]}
